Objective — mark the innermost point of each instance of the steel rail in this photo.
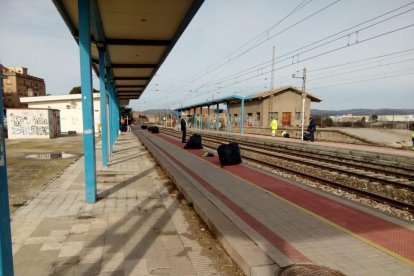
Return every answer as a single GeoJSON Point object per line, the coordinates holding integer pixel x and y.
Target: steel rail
{"type": "Point", "coordinates": [326, 169]}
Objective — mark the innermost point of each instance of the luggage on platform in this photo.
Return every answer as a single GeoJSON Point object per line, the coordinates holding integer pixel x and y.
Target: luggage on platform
{"type": "Point", "coordinates": [150, 128]}
{"type": "Point", "coordinates": [194, 142]}
{"type": "Point", "coordinates": [229, 154]}
{"type": "Point", "coordinates": [306, 136]}
{"type": "Point", "coordinates": [144, 126]}
{"type": "Point", "coordinates": [155, 129]}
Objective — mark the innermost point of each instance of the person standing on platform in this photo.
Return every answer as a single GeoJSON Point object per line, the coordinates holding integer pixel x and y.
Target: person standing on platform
{"type": "Point", "coordinates": [128, 123]}
{"type": "Point", "coordinates": [183, 123]}
{"type": "Point", "coordinates": [273, 126]}
{"type": "Point", "coordinates": [312, 129]}
{"type": "Point", "coordinates": [412, 138]}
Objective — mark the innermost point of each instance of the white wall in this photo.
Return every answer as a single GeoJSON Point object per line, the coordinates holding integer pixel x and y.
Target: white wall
{"type": "Point", "coordinates": [70, 113]}
{"type": "Point", "coordinates": [28, 124]}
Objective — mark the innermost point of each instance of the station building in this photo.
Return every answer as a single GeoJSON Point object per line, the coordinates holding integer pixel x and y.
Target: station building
{"type": "Point", "coordinates": [286, 108]}
{"type": "Point", "coordinates": [256, 110]}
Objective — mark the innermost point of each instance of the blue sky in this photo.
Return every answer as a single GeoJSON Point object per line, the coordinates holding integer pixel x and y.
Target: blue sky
{"type": "Point", "coordinates": [227, 49]}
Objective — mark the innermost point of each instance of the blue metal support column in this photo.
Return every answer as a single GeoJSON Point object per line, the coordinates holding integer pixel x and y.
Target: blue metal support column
{"type": "Point", "coordinates": [217, 117]}
{"type": "Point", "coordinates": [228, 118]}
{"type": "Point", "coordinates": [201, 117]}
{"type": "Point", "coordinates": [113, 122]}
{"type": "Point", "coordinates": [242, 116]}
{"type": "Point", "coordinates": [87, 101]}
{"type": "Point", "coordinates": [104, 128]}
{"type": "Point", "coordinates": [118, 113]}
{"type": "Point", "coordinates": [109, 109]}
{"type": "Point", "coordinates": [208, 117]}
{"type": "Point", "coordinates": [6, 255]}
{"type": "Point", "coordinates": [114, 118]}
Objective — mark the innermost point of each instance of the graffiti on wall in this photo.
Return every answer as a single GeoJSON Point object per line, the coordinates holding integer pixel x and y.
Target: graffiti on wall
{"type": "Point", "coordinates": [29, 123]}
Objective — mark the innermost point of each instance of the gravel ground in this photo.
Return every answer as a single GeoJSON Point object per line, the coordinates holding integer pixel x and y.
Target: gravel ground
{"type": "Point", "coordinates": [27, 176]}
{"type": "Point", "coordinates": [390, 137]}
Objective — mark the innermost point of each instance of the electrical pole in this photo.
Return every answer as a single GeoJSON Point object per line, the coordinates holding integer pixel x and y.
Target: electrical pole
{"type": "Point", "coordinates": [303, 77]}
{"type": "Point", "coordinates": [272, 83]}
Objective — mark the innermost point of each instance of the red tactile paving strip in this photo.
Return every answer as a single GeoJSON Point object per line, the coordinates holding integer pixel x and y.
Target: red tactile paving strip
{"type": "Point", "coordinates": [384, 233]}
{"type": "Point", "coordinates": [279, 243]}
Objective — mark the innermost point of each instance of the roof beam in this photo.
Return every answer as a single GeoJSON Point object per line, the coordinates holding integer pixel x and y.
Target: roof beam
{"type": "Point", "coordinates": [63, 12]}
{"type": "Point", "coordinates": [131, 78]}
{"type": "Point", "coordinates": [118, 65]}
{"type": "Point", "coordinates": [127, 97]}
{"type": "Point", "coordinates": [129, 92]}
{"type": "Point", "coordinates": [130, 86]}
{"type": "Point", "coordinates": [137, 42]}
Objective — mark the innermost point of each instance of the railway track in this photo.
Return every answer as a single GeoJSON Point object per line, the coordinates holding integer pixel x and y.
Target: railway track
{"type": "Point", "coordinates": [393, 187]}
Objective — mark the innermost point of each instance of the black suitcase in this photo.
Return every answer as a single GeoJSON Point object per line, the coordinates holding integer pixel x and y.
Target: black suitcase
{"type": "Point", "coordinates": [155, 129]}
{"type": "Point", "coordinates": [306, 136]}
{"type": "Point", "coordinates": [144, 126]}
{"type": "Point", "coordinates": [194, 142]}
{"type": "Point", "coordinates": [150, 128]}
{"type": "Point", "coordinates": [229, 154]}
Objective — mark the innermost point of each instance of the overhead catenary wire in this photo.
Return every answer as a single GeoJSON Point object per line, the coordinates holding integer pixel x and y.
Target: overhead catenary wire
{"type": "Point", "coordinates": [229, 79]}
{"type": "Point", "coordinates": [294, 52]}
{"type": "Point", "coordinates": [228, 57]}
{"type": "Point", "coordinates": [359, 70]}
{"type": "Point", "coordinates": [318, 55]}
{"type": "Point", "coordinates": [380, 77]}
{"type": "Point", "coordinates": [208, 71]}
{"type": "Point", "coordinates": [256, 67]}
{"type": "Point", "coordinates": [260, 69]}
{"type": "Point", "coordinates": [361, 60]}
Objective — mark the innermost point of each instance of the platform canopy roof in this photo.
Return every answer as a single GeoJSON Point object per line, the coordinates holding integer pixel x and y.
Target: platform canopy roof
{"type": "Point", "coordinates": [228, 99]}
{"type": "Point", "coordinates": [137, 34]}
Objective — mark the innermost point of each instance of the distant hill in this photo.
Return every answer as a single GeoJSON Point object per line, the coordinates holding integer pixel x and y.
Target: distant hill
{"type": "Point", "coordinates": [384, 111]}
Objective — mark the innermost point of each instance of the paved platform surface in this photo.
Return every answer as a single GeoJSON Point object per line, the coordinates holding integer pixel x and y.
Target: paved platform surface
{"type": "Point", "coordinates": [134, 229]}
{"type": "Point", "coordinates": [289, 223]}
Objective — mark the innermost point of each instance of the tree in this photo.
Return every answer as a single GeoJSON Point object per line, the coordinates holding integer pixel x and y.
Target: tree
{"type": "Point", "coordinates": [77, 90]}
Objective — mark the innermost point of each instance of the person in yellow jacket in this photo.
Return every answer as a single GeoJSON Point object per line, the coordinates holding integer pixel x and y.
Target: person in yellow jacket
{"type": "Point", "coordinates": [273, 126]}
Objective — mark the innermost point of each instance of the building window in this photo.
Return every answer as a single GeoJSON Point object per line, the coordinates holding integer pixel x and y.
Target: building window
{"type": "Point", "coordinates": [297, 116]}
{"type": "Point", "coordinates": [257, 118]}
{"type": "Point", "coordinates": [273, 115]}
{"type": "Point", "coordinates": [68, 106]}
{"type": "Point", "coordinates": [249, 119]}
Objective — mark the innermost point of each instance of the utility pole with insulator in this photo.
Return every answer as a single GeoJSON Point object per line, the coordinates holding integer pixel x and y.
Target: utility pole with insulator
{"type": "Point", "coordinates": [272, 83]}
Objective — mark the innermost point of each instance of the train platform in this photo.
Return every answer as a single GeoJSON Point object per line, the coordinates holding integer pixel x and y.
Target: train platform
{"type": "Point", "coordinates": [135, 227]}
{"type": "Point", "coordinates": [272, 225]}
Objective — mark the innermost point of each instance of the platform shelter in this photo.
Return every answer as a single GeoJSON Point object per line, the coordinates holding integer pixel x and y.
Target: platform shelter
{"type": "Point", "coordinates": [197, 118]}
{"type": "Point", "coordinates": [125, 43]}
